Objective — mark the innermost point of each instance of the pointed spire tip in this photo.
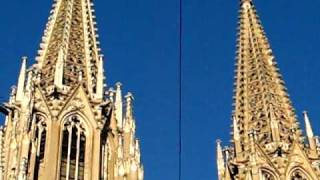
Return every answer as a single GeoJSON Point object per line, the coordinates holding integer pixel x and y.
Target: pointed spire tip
{"type": "Point", "coordinates": [129, 95]}
{"type": "Point", "coordinates": [118, 84]}
{"type": "Point", "coordinates": [309, 130]}
{"type": "Point", "coordinates": [243, 1]}
{"type": "Point", "coordinates": [24, 58]}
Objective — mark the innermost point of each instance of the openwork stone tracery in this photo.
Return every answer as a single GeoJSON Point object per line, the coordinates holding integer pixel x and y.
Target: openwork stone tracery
{"type": "Point", "coordinates": [266, 132]}
{"type": "Point", "coordinates": [73, 151]}
{"type": "Point", "coordinates": [298, 175]}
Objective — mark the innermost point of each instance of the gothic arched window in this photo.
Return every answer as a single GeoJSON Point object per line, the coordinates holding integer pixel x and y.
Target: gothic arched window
{"type": "Point", "coordinates": [73, 149]}
{"type": "Point", "coordinates": [267, 175]}
{"type": "Point", "coordinates": [40, 137]}
{"type": "Point", "coordinates": [298, 175]}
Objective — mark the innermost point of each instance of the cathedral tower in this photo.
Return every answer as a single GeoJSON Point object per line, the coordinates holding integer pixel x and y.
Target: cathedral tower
{"type": "Point", "coordinates": [267, 142]}
{"type": "Point", "coordinates": [61, 122]}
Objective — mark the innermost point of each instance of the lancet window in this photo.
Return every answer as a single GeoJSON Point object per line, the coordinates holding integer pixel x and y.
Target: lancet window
{"type": "Point", "coordinates": [298, 175]}
{"type": "Point", "coordinates": [73, 149]}
{"type": "Point", "coordinates": [40, 137]}
{"type": "Point", "coordinates": [267, 175]}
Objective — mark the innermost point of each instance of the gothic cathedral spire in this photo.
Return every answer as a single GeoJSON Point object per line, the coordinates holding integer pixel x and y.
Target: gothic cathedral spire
{"type": "Point", "coordinates": [61, 122]}
{"type": "Point", "coordinates": [70, 49]}
{"type": "Point", "coordinates": [267, 140]}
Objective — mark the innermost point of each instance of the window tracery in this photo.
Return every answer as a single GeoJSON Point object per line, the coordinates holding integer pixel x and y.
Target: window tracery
{"type": "Point", "coordinates": [73, 149]}
{"type": "Point", "coordinates": [40, 138]}
{"type": "Point", "coordinates": [298, 175]}
{"type": "Point", "coordinates": [266, 175]}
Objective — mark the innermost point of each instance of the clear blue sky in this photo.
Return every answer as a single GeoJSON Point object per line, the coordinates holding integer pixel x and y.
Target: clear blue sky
{"type": "Point", "coordinates": [140, 41]}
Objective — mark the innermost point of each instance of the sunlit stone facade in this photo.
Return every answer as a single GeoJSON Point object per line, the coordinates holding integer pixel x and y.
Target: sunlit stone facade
{"type": "Point", "coordinates": [62, 122]}
{"type": "Point", "coordinates": [267, 141]}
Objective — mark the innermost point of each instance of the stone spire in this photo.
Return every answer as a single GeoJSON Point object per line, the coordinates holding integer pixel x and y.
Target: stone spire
{"type": "Point", "coordinates": [21, 80]}
{"type": "Point", "coordinates": [258, 84]}
{"type": "Point", "coordinates": [118, 106]}
{"type": "Point", "coordinates": [236, 137]}
{"type": "Point", "coordinates": [128, 124]}
{"type": "Point", "coordinates": [309, 131]}
{"type": "Point", "coordinates": [267, 142]}
{"type": "Point", "coordinates": [100, 79]}
{"type": "Point", "coordinates": [63, 55]}
{"type": "Point", "coordinates": [60, 122]}
{"type": "Point", "coordinates": [220, 160]}
{"type": "Point", "coordinates": [308, 124]}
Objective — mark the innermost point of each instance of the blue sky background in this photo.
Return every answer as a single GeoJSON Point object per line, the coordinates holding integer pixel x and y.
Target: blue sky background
{"type": "Point", "coordinates": [140, 41]}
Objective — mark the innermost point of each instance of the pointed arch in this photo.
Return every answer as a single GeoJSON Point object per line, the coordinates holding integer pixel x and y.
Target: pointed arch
{"type": "Point", "coordinates": [267, 174]}
{"type": "Point", "coordinates": [75, 146]}
{"type": "Point", "coordinates": [74, 149]}
{"type": "Point", "coordinates": [298, 173]}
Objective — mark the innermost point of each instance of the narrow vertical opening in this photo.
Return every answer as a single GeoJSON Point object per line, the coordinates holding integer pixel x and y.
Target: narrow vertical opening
{"type": "Point", "coordinates": [40, 137]}
{"type": "Point", "coordinates": [82, 156]}
{"type": "Point", "coordinates": [73, 150]}
{"type": "Point", "coordinates": [64, 155]}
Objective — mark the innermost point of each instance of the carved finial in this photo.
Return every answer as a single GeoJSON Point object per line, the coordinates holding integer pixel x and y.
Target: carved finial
{"type": "Point", "coordinates": [58, 78]}
{"type": "Point", "coordinates": [129, 98]}
{"type": "Point", "coordinates": [220, 160]}
{"type": "Point", "coordinates": [118, 105]}
{"type": "Point", "coordinates": [29, 81]}
{"type": "Point", "coordinates": [226, 151]}
{"type": "Point", "coordinates": [252, 137]}
{"type": "Point", "coordinates": [274, 124]}
{"type": "Point", "coordinates": [80, 76]}
{"type": "Point", "coordinates": [236, 134]}
{"type": "Point", "coordinates": [293, 132]}
{"type": "Point", "coordinates": [252, 134]}
{"type": "Point", "coordinates": [111, 94]}
{"type": "Point", "coordinates": [118, 85]}
{"type": "Point", "coordinates": [100, 78]}
{"type": "Point", "coordinates": [13, 90]}
{"type": "Point", "coordinates": [309, 131]}
{"type": "Point", "coordinates": [21, 80]}
{"type": "Point", "coordinates": [137, 145]}
{"type": "Point", "coordinates": [246, 4]}
{"type": "Point", "coordinates": [129, 125]}
{"type": "Point", "coordinates": [13, 94]}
